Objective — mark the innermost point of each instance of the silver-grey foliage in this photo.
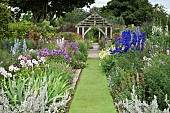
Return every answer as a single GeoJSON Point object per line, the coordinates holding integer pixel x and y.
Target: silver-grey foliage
{"type": "Point", "coordinates": [137, 106]}
{"type": "Point", "coordinates": [34, 101]}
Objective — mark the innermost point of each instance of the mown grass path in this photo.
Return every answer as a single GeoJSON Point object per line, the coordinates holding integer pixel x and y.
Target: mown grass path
{"type": "Point", "coordinates": [92, 94]}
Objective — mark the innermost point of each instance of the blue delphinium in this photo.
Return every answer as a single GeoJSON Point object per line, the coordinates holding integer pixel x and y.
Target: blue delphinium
{"type": "Point", "coordinates": [149, 51]}
{"type": "Point", "coordinates": [126, 42]}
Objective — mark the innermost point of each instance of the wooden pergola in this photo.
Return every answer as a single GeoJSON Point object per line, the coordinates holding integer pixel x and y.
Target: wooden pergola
{"type": "Point", "coordinates": [94, 21]}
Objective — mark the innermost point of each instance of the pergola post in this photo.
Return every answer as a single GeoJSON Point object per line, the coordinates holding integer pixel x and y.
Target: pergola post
{"type": "Point", "coordinates": [110, 32]}
{"type": "Point", "coordinates": [106, 31]}
{"type": "Point", "coordinates": [99, 35]}
{"type": "Point", "coordinates": [83, 32]}
{"type": "Point", "coordinates": [78, 31]}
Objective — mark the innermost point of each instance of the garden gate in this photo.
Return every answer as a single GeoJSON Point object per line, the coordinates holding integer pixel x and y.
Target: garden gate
{"type": "Point", "coordinates": [94, 21]}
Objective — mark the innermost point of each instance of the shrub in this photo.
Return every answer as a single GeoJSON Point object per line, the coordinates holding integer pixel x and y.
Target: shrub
{"type": "Point", "coordinates": [19, 29]}
{"type": "Point", "coordinates": [82, 47]}
{"type": "Point", "coordinates": [108, 63]}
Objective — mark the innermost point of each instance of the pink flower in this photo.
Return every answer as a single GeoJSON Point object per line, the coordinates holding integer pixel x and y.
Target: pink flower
{"type": "Point", "coordinates": [4, 72]}
{"type": "Point", "coordinates": [20, 57]}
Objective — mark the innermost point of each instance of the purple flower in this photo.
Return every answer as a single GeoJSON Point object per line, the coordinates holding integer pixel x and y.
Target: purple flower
{"type": "Point", "coordinates": [70, 59]}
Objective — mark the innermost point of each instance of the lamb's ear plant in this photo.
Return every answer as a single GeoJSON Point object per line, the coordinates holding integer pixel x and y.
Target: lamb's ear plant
{"type": "Point", "coordinates": [135, 105]}
{"type": "Point", "coordinates": [57, 86]}
{"type": "Point", "coordinates": [15, 89]}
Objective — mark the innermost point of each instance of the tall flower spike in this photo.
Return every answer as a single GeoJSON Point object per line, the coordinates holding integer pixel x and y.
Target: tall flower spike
{"type": "Point", "coordinates": [24, 47]}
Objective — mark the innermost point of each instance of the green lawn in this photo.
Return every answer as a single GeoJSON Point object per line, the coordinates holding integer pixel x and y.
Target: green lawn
{"type": "Point", "coordinates": [92, 94]}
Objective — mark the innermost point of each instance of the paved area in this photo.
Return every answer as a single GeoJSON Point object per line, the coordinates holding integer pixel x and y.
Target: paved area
{"type": "Point", "coordinates": [94, 53]}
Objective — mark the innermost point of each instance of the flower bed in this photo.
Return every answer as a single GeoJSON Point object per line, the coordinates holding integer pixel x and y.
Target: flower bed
{"type": "Point", "coordinates": [39, 80]}
{"type": "Point", "coordinates": [130, 64]}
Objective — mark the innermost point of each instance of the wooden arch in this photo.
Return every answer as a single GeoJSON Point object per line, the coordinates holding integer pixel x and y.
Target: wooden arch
{"type": "Point", "coordinates": [94, 21]}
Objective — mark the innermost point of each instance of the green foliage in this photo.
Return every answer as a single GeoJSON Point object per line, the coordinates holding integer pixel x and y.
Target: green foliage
{"type": "Point", "coordinates": [159, 16]}
{"type": "Point", "coordinates": [82, 47]}
{"type": "Point", "coordinates": [58, 82]}
{"type": "Point", "coordinates": [44, 28]}
{"type": "Point", "coordinates": [147, 28]}
{"type": "Point", "coordinates": [4, 20]}
{"type": "Point", "coordinates": [6, 59]}
{"type": "Point", "coordinates": [48, 10]}
{"type": "Point", "coordinates": [78, 61]}
{"type": "Point", "coordinates": [108, 63]}
{"type": "Point", "coordinates": [19, 29]}
{"type": "Point", "coordinates": [75, 16]}
{"type": "Point", "coordinates": [57, 86]}
{"type": "Point", "coordinates": [15, 89]}
{"type": "Point", "coordinates": [122, 71]}
{"type": "Point", "coordinates": [157, 80]}
{"type": "Point", "coordinates": [133, 12]}
{"type": "Point", "coordinates": [70, 36]}
{"type": "Point", "coordinates": [80, 57]}
{"type": "Point", "coordinates": [160, 43]}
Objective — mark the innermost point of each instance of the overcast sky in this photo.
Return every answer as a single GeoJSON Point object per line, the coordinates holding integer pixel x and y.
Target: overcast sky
{"type": "Point", "coordinates": [165, 3]}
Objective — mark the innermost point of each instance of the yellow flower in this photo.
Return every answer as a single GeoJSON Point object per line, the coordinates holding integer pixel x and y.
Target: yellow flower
{"type": "Point", "coordinates": [103, 54]}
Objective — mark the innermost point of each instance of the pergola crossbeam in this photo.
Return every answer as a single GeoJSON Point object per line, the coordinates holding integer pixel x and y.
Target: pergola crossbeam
{"type": "Point", "coordinates": [94, 20]}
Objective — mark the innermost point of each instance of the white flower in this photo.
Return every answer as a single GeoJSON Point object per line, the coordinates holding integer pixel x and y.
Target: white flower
{"type": "Point", "coordinates": [31, 50]}
{"type": "Point", "coordinates": [42, 59]}
{"type": "Point", "coordinates": [149, 59]}
{"type": "Point", "coordinates": [167, 51]}
{"type": "Point", "coordinates": [11, 68]}
{"type": "Point", "coordinates": [23, 64]}
{"type": "Point", "coordinates": [47, 65]}
{"type": "Point", "coordinates": [16, 69]}
{"type": "Point", "coordinates": [144, 58]}
{"type": "Point", "coordinates": [34, 62]}
{"type": "Point", "coordinates": [9, 74]}
{"type": "Point", "coordinates": [29, 63]}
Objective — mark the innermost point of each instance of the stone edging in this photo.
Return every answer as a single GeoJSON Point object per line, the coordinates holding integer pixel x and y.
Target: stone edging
{"type": "Point", "coordinates": [74, 82]}
{"type": "Point", "coordinates": [75, 78]}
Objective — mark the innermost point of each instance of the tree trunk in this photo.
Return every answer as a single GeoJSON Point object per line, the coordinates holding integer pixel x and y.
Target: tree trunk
{"type": "Point", "coordinates": [34, 17]}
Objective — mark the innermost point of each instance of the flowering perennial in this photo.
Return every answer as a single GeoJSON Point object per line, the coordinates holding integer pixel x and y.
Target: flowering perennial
{"type": "Point", "coordinates": [4, 72]}
{"type": "Point", "coordinates": [124, 43]}
{"type": "Point", "coordinates": [69, 49]}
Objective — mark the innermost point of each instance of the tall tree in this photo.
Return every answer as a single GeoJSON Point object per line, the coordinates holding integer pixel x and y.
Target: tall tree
{"type": "Point", "coordinates": [4, 19]}
{"type": "Point", "coordinates": [48, 9]}
{"type": "Point", "coordinates": [160, 16]}
{"type": "Point", "coordinates": [132, 11]}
